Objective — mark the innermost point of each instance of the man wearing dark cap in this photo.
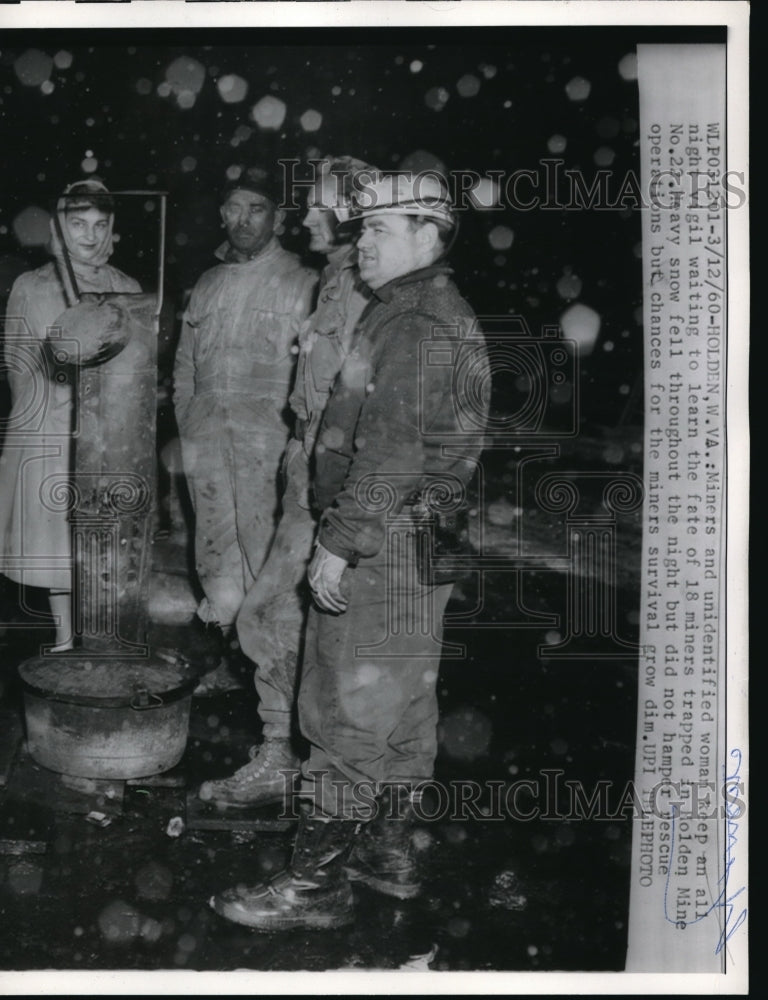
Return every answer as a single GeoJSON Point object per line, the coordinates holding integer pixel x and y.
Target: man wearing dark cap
{"type": "Point", "coordinates": [233, 374]}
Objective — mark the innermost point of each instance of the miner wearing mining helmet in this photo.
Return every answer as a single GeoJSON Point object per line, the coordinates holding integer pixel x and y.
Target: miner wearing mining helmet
{"type": "Point", "coordinates": [367, 697]}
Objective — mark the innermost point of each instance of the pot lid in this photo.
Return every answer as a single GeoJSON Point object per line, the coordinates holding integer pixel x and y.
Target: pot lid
{"type": "Point", "coordinates": [92, 680]}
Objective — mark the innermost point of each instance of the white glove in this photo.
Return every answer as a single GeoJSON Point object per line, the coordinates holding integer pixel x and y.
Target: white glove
{"type": "Point", "coordinates": [324, 575]}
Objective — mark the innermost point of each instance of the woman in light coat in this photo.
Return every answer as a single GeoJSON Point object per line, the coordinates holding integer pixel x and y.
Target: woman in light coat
{"type": "Point", "coordinates": [35, 469]}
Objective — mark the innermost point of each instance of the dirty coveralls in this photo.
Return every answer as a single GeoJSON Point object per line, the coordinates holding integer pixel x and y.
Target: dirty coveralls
{"type": "Point", "coordinates": [367, 699]}
{"type": "Point", "coordinates": [270, 623]}
{"type": "Point", "coordinates": [232, 376]}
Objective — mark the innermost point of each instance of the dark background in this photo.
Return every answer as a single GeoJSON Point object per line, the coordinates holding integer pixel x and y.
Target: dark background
{"type": "Point", "coordinates": [103, 98]}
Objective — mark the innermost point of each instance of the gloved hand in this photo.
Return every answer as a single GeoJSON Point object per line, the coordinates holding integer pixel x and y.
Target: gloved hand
{"type": "Point", "coordinates": [324, 575]}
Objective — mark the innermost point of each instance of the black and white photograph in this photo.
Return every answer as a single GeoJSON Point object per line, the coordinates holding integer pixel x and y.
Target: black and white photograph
{"type": "Point", "coordinates": [374, 497]}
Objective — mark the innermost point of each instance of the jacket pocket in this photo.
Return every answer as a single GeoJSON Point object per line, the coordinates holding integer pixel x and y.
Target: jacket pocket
{"type": "Point", "coordinates": [270, 337]}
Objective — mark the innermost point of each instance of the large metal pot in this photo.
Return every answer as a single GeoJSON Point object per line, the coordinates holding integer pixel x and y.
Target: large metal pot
{"type": "Point", "coordinates": [99, 717]}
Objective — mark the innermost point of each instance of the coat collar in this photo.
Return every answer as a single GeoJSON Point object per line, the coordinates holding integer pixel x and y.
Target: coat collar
{"type": "Point", "coordinates": [225, 252]}
{"type": "Point", "coordinates": [387, 292]}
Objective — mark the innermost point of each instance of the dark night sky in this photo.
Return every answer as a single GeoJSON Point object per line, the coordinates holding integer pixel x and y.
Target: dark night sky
{"type": "Point", "coordinates": [477, 99]}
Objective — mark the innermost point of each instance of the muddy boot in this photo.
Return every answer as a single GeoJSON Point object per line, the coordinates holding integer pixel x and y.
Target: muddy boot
{"type": "Point", "coordinates": [312, 893]}
{"type": "Point", "coordinates": [383, 857]}
{"type": "Point", "coordinates": [266, 778]}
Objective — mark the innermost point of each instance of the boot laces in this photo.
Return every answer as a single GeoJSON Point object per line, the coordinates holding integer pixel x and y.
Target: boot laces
{"type": "Point", "coordinates": [261, 759]}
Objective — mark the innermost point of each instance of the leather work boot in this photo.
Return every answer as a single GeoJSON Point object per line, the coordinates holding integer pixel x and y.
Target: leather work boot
{"type": "Point", "coordinates": [267, 778]}
{"type": "Point", "coordinates": [312, 893]}
{"type": "Point", "coordinates": [383, 857]}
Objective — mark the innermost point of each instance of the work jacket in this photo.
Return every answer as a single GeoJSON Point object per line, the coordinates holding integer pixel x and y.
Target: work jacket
{"type": "Point", "coordinates": [407, 412]}
{"type": "Point", "coordinates": [236, 354]}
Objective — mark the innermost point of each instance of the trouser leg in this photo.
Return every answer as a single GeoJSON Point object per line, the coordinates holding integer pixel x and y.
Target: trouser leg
{"type": "Point", "coordinates": [367, 701]}
{"type": "Point", "coordinates": [271, 622]}
{"type": "Point", "coordinates": [218, 558]}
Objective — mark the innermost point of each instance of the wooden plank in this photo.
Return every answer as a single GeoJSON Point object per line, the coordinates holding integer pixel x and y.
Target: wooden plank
{"type": "Point", "coordinates": [10, 846]}
{"type": "Point", "coordinates": [201, 816]}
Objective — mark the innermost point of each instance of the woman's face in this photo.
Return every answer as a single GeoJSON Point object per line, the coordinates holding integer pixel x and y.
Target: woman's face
{"type": "Point", "coordinates": [85, 230]}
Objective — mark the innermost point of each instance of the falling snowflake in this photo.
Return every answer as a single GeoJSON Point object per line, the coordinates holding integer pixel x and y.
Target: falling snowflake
{"type": "Point", "coordinates": [367, 673]}
{"type": "Point", "coordinates": [459, 927]}
{"type": "Point", "coordinates": [32, 227]}
{"type": "Point", "coordinates": [62, 59]}
{"type": "Point", "coordinates": [25, 878]}
{"type": "Point", "coordinates": [269, 112]}
{"type": "Point", "coordinates": [569, 286]}
{"type": "Point", "coordinates": [502, 513]}
{"type": "Point", "coordinates": [468, 86]}
{"type": "Point", "coordinates": [604, 156]}
{"type": "Point", "coordinates": [119, 922]}
{"type": "Point", "coordinates": [33, 67]}
{"type": "Point", "coordinates": [582, 324]}
{"type": "Point", "coordinates": [333, 437]}
{"type": "Point", "coordinates": [557, 143]}
{"type": "Point", "coordinates": [232, 88]}
{"type": "Point", "coordinates": [421, 160]}
{"type": "Point", "coordinates": [578, 89]}
{"type": "Point", "coordinates": [501, 237]}
{"type": "Point", "coordinates": [186, 99]}
{"type": "Point", "coordinates": [153, 881]}
{"type": "Point", "coordinates": [628, 66]}
{"type": "Point", "coordinates": [311, 120]}
{"type": "Point", "coordinates": [436, 98]}
{"type": "Point", "coordinates": [185, 74]}
{"type": "Point", "coordinates": [465, 734]}
{"type": "Point", "coordinates": [561, 393]}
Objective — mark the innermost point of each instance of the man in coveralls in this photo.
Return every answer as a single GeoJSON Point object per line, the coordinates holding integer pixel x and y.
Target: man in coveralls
{"type": "Point", "coordinates": [232, 376]}
{"type": "Point", "coordinates": [367, 698]}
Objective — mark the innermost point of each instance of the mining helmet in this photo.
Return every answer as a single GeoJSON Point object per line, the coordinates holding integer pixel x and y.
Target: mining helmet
{"type": "Point", "coordinates": [339, 173]}
{"type": "Point", "coordinates": [424, 194]}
